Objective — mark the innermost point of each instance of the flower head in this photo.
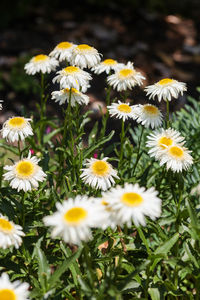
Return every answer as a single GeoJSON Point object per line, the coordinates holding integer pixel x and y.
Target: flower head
{"type": "Point", "coordinates": [132, 203]}
{"type": "Point", "coordinates": [161, 140]}
{"type": "Point", "coordinates": [13, 290]}
{"type": "Point", "coordinates": [122, 110]}
{"type": "Point", "coordinates": [177, 158]}
{"type": "Point", "coordinates": [99, 173]}
{"type": "Point", "coordinates": [166, 89]}
{"type": "Point", "coordinates": [74, 219]}
{"type": "Point", "coordinates": [10, 233]}
{"type": "Point", "coordinates": [25, 174]}
{"type": "Point", "coordinates": [107, 66]}
{"type": "Point", "coordinates": [63, 51]}
{"type": "Point", "coordinates": [149, 116]}
{"type": "Point", "coordinates": [85, 56]}
{"type": "Point", "coordinates": [72, 77]}
{"type": "Point", "coordinates": [76, 97]}
{"type": "Point", "coordinates": [125, 78]}
{"type": "Point", "coordinates": [41, 63]}
{"type": "Point", "coordinates": [16, 128]}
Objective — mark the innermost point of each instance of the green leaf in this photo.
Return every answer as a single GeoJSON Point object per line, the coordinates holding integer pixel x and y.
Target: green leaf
{"type": "Point", "coordinates": [95, 146]}
{"type": "Point", "coordinates": [166, 247]}
{"type": "Point", "coordinates": [43, 266]}
{"type": "Point", "coordinates": [61, 269]}
{"type": "Point", "coordinates": [49, 136]}
{"type": "Point", "coordinates": [154, 293]}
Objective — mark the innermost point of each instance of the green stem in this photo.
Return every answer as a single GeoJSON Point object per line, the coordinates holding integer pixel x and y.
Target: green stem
{"type": "Point", "coordinates": [42, 96]}
{"type": "Point", "coordinates": [167, 104]}
{"type": "Point", "coordinates": [138, 151]}
{"type": "Point", "coordinates": [122, 135]}
{"type": "Point", "coordinates": [23, 209]}
{"type": "Point", "coordinates": [19, 149]}
{"type": "Point", "coordinates": [105, 117]}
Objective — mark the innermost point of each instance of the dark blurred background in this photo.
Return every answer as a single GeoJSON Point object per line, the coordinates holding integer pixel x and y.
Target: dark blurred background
{"type": "Point", "coordinates": [162, 38]}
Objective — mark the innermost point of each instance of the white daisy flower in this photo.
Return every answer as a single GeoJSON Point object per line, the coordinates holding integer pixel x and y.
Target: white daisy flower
{"type": "Point", "coordinates": [13, 290]}
{"type": "Point", "coordinates": [160, 140]}
{"type": "Point", "coordinates": [123, 110]}
{"type": "Point", "coordinates": [63, 51]}
{"type": "Point", "coordinates": [176, 158]}
{"type": "Point", "coordinates": [166, 89]}
{"type": "Point", "coordinates": [74, 219]}
{"type": "Point", "coordinates": [41, 63]}
{"type": "Point", "coordinates": [16, 128]}
{"type": "Point", "coordinates": [72, 77]}
{"type": "Point", "coordinates": [125, 78]}
{"type": "Point", "coordinates": [85, 56]}
{"type": "Point", "coordinates": [110, 219]}
{"type": "Point", "coordinates": [107, 66]}
{"type": "Point", "coordinates": [99, 173]}
{"type": "Point", "coordinates": [149, 116]}
{"type": "Point", "coordinates": [76, 97]}
{"type": "Point", "coordinates": [10, 233]}
{"type": "Point", "coordinates": [25, 174]}
{"type": "Point", "coordinates": [132, 203]}
{"type": "Point", "coordinates": [1, 106]}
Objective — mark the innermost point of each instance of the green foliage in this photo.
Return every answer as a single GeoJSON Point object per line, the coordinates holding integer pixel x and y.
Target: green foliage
{"type": "Point", "coordinates": [158, 261]}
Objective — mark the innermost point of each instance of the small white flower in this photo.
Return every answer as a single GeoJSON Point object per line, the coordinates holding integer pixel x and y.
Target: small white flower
{"type": "Point", "coordinates": [123, 110]}
{"type": "Point", "coordinates": [16, 128]}
{"type": "Point", "coordinates": [149, 116]}
{"type": "Point", "coordinates": [176, 158]}
{"type": "Point", "coordinates": [76, 97]}
{"type": "Point", "coordinates": [85, 56]}
{"type": "Point", "coordinates": [106, 66]}
{"type": "Point", "coordinates": [74, 219]}
{"type": "Point", "coordinates": [25, 174]}
{"type": "Point", "coordinates": [73, 77]}
{"type": "Point", "coordinates": [132, 203]}
{"type": "Point", "coordinates": [125, 78]}
{"type": "Point", "coordinates": [166, 89]}
{"type": "Point", "coordinates": [10, 233]}
{"type": "Point", "coordinates": [162, 139]}
{"type": "Point", "coordinates": [41, 63]}
{"type": "Point", "coordinates": [110, 219]}
{"type": "Point", "coordinates": [1, 107]}
{"type": "Point", "coordinates": [13, 290]}
{"type": "Point", "coordinates": [99, 173]}
{"type": "Point", "coordinates": [63, 51]}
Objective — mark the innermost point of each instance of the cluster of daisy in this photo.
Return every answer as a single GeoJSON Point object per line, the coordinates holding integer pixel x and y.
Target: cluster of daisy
{"type": "Point", "coordinates": [22, 175]}
{"type": "Point", "coordinates": [118, 206]}
{"type": "Point", "coordinates": [167, 146]}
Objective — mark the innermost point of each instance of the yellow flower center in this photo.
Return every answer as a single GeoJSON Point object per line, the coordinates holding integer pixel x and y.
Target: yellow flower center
{"type": "Point", "coordinates": [64, 45]}
{"type": "Point", "coordinates": [24, 169]}
{"type": "Point", "coordinates": [75, 215]}
{"type": "Point", "coordinates": [40, 57]}
{"type": "Point", "coordinates": [150, 109]}
{"type": "Point", "coordinates": [165, 142]}
{"type": "Point", "coordinates": [125, 108]}
{"type": "Point", "coordinates": [176, 151]}
{"type": "Point", "coordinates": [5, 226]}
{"type": "Point", "coordinates": [109, 62]}
{"type": "Point", "coordinates": [100, 168]}
{"type": "Point", "coordinates": [73, 90]}
{"type": "Point", "coordinates": [84, 47]}
{"type": "Point", "coordinates": [105, 203]}
{"type": "Point", "coordinates": [17, 122]}
{"type": "Point", "coordinates": [165, 81]}
{"type": "Point", "coordinates": [7, 294]}
{"type": "Point", "coordinates": [71, 69]}
{"type": "Point", "coordinates": [132, 199]}
{"type": "Point", "coordinates": [124, 73]}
